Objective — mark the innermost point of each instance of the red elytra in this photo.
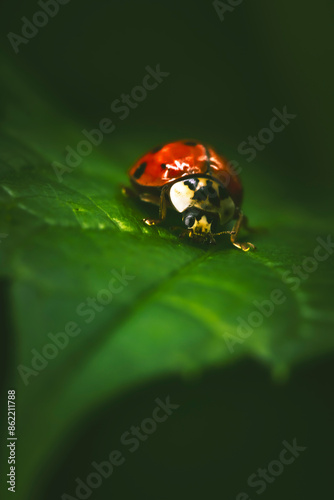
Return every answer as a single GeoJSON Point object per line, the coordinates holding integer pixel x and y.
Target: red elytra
{"type": "Point", "coordinates": [170, 162]}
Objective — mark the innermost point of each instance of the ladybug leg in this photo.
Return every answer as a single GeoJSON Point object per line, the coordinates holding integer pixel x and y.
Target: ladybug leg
{"type": "Point", "coordinates": [128, 192]}
{"type": "Point", "coordinates": [235, 231]}
{"type": "Point", "coordinates": [211, 239]}
{"type": "Point", "coordinates": [162, 209]}
{"type": "Point", "coordinates": [150, 198]}
{"type": "Point", "coordinates": [185, 232]}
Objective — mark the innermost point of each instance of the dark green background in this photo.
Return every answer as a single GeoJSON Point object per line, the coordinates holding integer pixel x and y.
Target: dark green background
{"type": "Point", "coordinates": [225, 78]}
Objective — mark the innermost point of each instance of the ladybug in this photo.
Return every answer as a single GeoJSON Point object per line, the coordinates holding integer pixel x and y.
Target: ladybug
{"type": "Point", "coordinates": [192, 179]}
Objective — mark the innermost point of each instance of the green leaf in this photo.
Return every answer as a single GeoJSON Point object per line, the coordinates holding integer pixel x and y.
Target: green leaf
{"type": "Point", "coordinates": [180, 306]}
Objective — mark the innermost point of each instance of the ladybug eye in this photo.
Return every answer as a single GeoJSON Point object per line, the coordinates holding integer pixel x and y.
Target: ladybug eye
{"type": "Point", "coordinates": [189, 221]}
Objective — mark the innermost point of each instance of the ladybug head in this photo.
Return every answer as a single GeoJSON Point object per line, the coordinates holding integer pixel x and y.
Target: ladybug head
{"type": "Point", "coordinates": [200, 222]}
{"type": "Point", "coordinates": [204, 204]}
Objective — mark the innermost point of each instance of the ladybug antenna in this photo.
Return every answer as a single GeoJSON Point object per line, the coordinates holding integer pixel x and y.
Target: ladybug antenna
{"type": "Point", "coordinates": [223, 232]}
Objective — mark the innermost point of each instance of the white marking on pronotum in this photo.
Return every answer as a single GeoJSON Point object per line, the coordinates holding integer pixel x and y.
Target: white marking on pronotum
{"type": "Point", "coordinates": [182, 197]}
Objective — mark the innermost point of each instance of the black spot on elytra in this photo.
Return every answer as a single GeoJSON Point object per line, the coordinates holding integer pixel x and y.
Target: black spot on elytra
{"type": "Point", "coordinates": [140, 170]}
{"type": "Point", "coordinates": [157, 148]}
{"type": "Point", "coordinates": [190, 143]}
{"type": "Point", "coordinates": [223, 193]}
{"type": "Point", "coordinates": [163, 165]}
{"type": "Point", "coordinates": [191, 183]}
